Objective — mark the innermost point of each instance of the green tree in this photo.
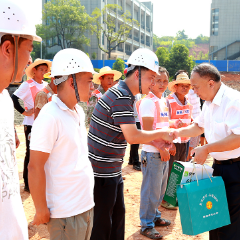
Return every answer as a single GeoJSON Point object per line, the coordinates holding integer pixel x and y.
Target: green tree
{"type": "Point", "coordinates": [94, 55]}
{"type": "Point", "coordinates": [65, 23]}
{"type": "Point", "coordinates": [105, 25]}
{"type": "Point", "coordinates": [202, 39]}
{"type": "Point", "coordinates": [119, 65]}
{"type": "Point", "coordinates": [163, 56]}
{"type": "Point", "coordinates": [179, 59]}
{"type": "Point", "coordinates": [181, 35]}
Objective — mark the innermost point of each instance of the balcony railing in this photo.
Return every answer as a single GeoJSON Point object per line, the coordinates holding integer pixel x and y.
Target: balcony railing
{"type": "Point", "coordinates": [120, 49]}
{"type": "Point", "coordinates": [136, 39]}
{"type": "Point", "coordinates": [128, 52]}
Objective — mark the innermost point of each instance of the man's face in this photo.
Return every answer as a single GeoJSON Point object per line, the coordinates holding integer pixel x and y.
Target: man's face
{"type": "Point", "coordinates": [147, 80]}
{"type": "Point", "coordinates": [85, 85]}
{"type": "Point", "coordinates": [40, 71]}
{"type": "Point", "coordinates": [182, 88]}
{"type": "Point", "coordinates": [24, 51]}
{"type": "Point", "coordinates": [201, 86]}
{"type": "Point", "coordinates": [161, 83]}
{"type": "Point", "coordinates": [107, 81]}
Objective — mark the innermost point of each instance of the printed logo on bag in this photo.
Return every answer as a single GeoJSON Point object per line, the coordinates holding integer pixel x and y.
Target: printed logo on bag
{"type": "Point", "coordinates": [209, 205]}
{"type": "Point", "coordinates": [186, 174]}
{"type": "Point", "coordinates": [182, 112]}
{"type": "Point", "coordinates": [178, 168]}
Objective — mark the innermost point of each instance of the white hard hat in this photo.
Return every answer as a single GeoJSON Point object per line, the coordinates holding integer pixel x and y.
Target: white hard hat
{"type": "Point", "coordinates": [14, 21]}
{"type": "Point", "coordinates": [145, 58]}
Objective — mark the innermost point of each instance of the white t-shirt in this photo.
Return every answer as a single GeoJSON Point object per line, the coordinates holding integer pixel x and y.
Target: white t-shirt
{"type": "Point", "coordinates": [69, 176]}
{"type": "Point", "coordinates": [147, 109]}
{"type": "Point", "coordinates": [24, 93]}
{"type": "Point", "coordinates": [137, 98]}
{"type": "Point", "coordinates": [13, 223]}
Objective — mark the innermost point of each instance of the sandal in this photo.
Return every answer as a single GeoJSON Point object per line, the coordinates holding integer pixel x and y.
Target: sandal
{"type": "Point", "coordinates": [151, 233]}
{"type": "Point", "coordinates": [159, 223]}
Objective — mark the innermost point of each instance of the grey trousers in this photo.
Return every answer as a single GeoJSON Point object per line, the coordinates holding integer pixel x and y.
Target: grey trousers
{"type": "Point", "coordinates": [77, 227]}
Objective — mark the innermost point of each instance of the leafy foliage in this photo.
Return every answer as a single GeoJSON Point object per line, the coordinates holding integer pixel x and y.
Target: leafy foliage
{"type": "Point", "coordinates": [202, 39]}
{"type": "Point", "coordinates": [181, 35]}
{"type": "Point", "coordinates": [65, 23]}
{"type": "Point", "coordinates": [119, 65]}
{"type": "Point", "coordinates": [94, 55]}
{"type": "Point", "coordinates": [163, 56]}
{"type": "Point", "coordinates": [108, 17]}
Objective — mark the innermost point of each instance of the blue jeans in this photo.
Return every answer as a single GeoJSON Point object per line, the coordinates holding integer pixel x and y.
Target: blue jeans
{"type": "Point", "coordinates": [154, 183]}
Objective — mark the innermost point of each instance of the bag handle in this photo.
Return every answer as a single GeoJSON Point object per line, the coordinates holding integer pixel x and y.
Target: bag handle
{"type": "Point", "coordinates": [194, 167]}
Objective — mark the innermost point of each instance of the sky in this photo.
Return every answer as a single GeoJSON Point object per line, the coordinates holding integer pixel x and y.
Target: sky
{"type": "Point", "coordinates": [169, 16]}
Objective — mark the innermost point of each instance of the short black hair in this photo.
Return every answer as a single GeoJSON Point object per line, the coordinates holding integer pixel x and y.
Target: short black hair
{"type": "Point", "coordinates": [10, 38]}
{"type": "Point", "coordinates": [179, 72]}
{"type": "Point", "coordinates": [163, 70]}
{"type": "Point", "coordinates": [207, 70]}
{"type": "Point", "coordinates": [42, 64]}
{"type": "Point", "coordinates": [129, 73]}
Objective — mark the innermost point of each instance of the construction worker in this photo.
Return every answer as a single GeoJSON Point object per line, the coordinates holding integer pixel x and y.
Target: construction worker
{"type": "Point", "coordinates": [27, 92]}
{"type": "Point", "coordinates": [45, 95]}
{"type": "Point", "coordinates": [60, 173]}
{"type": "Point", "coordinates": [112, 126]}
{"type": "Point", "coordinates": [105, 79]}
{"type": "Point", "coordinates": [17, 34]}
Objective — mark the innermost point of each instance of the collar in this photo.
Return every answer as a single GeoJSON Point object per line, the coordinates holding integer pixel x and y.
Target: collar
{"type": "Point", "coordinates": [219, 95]}
{"type": "Point", "coordinates": [100, 89]}
{"type": "Point", "coordinates": [123, 85]}
{"type": "Point", "coordinates": [61, 104]}
{"type": "Point", "coordinates": [49, 89]}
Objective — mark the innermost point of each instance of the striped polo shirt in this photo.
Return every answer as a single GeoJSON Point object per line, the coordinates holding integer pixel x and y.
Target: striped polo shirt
{"type": "Point", "coordinates": [106, 142]}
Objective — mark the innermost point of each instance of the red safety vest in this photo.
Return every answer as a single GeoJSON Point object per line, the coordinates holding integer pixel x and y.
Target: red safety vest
{"type": "Point", "coordinates": [97, 93]}
{"type": "Point", "coordinates": [161, 118]}
{"type": "Point", "coordinates": [33, 90]}
{"type": "Point", "coordinates": [49, 94]}
{"type": "Point", "coordinates": [183, 112]}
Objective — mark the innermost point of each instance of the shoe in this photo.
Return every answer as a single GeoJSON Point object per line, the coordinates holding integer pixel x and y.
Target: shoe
{"type": "Point", "coordinates": [168, 206]}
{"type": "Point", "coordinates": [26, 189]}
{"type": "Point", "coordinates": [159, 223]}
{"type": "Point", "coordinates": [130, 163]}
{"type": "Point", "coordinates": [137, 167]}
{"type": "Point", "coordinates": [151, 233]}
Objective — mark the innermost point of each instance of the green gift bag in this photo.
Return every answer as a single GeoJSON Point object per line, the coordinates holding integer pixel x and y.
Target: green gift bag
{"type": "Point", "coordinates": [203, 205]}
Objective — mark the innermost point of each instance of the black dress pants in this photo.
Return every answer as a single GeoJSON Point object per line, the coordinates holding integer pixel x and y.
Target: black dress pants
{"type": "Point", "coordinates": [27, 130]}
{"type": "Point", "coordinates": [231, 177]}
{"type": "Point", "coordinates": [109, 210]}
{"type": "Point", "coordinates": [134, 157]}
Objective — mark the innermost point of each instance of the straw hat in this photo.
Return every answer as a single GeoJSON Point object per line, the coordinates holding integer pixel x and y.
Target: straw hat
{"type": "Point", "coordinates": [181, 78]}
{"type": "Point", "coordinates": [105, 71]}
{"type": "Point", "coordinates": [38, 61]}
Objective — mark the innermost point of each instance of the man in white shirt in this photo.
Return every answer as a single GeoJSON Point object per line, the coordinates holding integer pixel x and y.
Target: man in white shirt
{"type": "Point", "coordinates": [60, 174]}
{"type": "Point", "coordinates": [27, 92]}
{"type": "Point", "coordinates": [220, 121]}
{"type": "Point", "coordinates": [16, 39]}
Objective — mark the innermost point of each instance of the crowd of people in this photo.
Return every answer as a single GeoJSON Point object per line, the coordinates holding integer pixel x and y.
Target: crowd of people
{"type": "Point", "coordinates": [75, 176]}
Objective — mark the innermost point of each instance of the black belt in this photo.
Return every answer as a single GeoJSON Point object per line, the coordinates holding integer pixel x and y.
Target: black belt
{"type": "Point", "coordinates": [227, 162]}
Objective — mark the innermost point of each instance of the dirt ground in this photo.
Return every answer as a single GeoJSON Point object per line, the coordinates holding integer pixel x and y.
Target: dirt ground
{"type": "Point", "coordinates": [132, 185]}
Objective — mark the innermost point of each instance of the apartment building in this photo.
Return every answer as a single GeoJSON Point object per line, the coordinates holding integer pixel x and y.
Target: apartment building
{"type": "Point", "coordinates": [140, 36]}
{"type": "Point", "coordinates": [225, 31]}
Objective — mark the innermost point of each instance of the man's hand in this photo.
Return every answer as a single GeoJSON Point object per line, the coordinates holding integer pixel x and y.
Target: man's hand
{"type": "Point", "coordinates": [41, 216]}
{"type": "Point", "coordinates": [167, 135]}
{"type": "Point", "coordinates": [165, 156]}
{"type": "Point", "coordinates": [178, 123]}
{"type": "Point", "coordinates": [172, 150]}
{"type": "Point", "coordinates": [201, 154]}
{"type": "Point", "coordinates": [28, 112]}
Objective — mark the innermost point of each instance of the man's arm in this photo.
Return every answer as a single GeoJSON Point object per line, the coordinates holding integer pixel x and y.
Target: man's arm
{"type": "Point", "coordinates": [40, 100]}
{"type": "Point", "coordinates": [37, 184]}
{"type": "Point", "coordinates": [135, 136]}
{"type": "Point", "coordinates": [192, 130]}
{"type": "Point", "coordinates": [229, 143]}
{"type": "Point", "coordinates": [19, 108]}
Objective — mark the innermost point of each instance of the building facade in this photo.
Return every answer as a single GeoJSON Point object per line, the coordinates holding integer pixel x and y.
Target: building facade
{"type": "Point", "coordinates": [225, 30]}
{"type": "Point", "coordinates": [140, 36]}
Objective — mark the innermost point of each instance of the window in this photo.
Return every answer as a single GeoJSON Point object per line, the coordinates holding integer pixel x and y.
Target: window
{"type": "Point", "coordinates": [215, 21]}
{"type": "Point", "coordinates": [48, 42]}
{"type": "Point", "coordinates": [102, 39]}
